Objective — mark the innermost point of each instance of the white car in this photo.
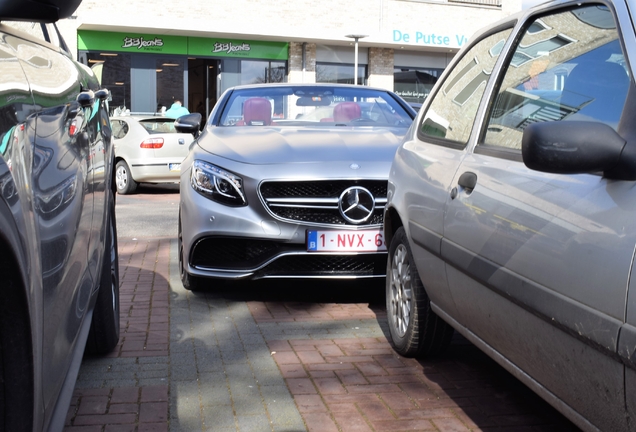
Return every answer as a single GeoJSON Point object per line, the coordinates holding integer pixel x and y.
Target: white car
{"type": "Point", "coordinates": [147, 150]}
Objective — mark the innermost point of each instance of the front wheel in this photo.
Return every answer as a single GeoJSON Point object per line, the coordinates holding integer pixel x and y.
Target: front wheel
{"type": "Point", "coordinates": [104, 332]}
{"type": "Point", "coordinates": [414, 327]}
{"type": "Point", "coordinates": [123, 179]}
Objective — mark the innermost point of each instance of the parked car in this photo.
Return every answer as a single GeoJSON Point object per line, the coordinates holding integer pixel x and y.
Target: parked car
{"type": "Point", "coordinates": [148, 149]}
{"type": "Point", "coordinates": [511, 213]}
{"type": "Point", "coordinates": [58, 236]}
{"type": "Point", "coordinates": [289, 180]}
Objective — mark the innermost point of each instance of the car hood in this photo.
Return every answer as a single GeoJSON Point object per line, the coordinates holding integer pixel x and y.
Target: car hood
{"type": "Point", "coordinates": [275, 145]}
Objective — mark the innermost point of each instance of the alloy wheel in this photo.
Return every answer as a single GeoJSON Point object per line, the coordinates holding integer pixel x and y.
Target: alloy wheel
{"type": "Point", "coordinates": [401, 290]}
{"type": "Point", "coordinates": [121, 177]}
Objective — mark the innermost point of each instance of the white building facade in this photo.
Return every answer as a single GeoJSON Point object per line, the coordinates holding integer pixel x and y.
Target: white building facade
{"type": "Point", "coordinates": [155, 52]}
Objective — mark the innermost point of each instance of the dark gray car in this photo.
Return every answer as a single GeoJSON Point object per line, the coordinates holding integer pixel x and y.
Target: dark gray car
{"type": "Point", "coordinates": [511, 213]}
{"type": "Point", "coordinates": [58, 240]}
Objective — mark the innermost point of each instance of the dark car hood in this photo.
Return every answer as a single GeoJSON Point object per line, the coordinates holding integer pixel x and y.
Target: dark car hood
{"type": "Point", "coordinates": [37, 10]}
{"type": "Point", "coordinates": [274, 145]}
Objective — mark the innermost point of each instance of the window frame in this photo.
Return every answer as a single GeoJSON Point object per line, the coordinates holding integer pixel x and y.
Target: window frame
{"type": "Point", "coordinates": [442, 82]}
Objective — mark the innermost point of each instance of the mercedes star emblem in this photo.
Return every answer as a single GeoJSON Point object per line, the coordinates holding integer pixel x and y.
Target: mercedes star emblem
{"type": "Point", "coordinates": [356, 205]}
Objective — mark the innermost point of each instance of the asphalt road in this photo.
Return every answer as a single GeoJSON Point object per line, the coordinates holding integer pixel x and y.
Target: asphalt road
{"type": "Point", "coordinates": [151, 212]}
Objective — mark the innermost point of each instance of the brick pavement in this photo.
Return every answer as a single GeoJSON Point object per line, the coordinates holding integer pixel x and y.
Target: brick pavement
{"type": "Point", "coordinates": [241, 359]}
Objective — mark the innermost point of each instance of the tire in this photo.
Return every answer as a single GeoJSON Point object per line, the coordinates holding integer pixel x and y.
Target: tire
{"type": "Point", "coordinates": [415, 329]}
{"type": "Point", "coordinates": [104, 332]}
{"type": "Point", "coordinates": [16, 366]}
{"type": "Point", "coordinates": [191, 283]}
{"type": "Point", "coordinates": [123, 179]}
{"type": "Point", "coordinates": [17, 380]}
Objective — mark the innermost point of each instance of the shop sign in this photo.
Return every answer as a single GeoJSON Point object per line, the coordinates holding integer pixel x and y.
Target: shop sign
{"type": "Point", "coordinates": [427, 38]}
{"type": "Point", "coordinates": [411, 94]}
{"type": "Point", "coordinates": [237, 48]}
{"type": "Point", "coordinates": [168, 44]}
{"type": "Point", "coordinates": [131, 42]}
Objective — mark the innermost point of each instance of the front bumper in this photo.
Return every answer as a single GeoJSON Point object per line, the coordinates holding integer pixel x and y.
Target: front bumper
{"type": "Point", "coordinates": [235, 258]}
{"type": "Point", "coordinates": [267, 237]}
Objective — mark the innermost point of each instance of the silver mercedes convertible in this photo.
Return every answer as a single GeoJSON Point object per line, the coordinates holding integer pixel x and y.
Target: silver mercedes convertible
{"type": "Point", "coordinates": [289, 181]}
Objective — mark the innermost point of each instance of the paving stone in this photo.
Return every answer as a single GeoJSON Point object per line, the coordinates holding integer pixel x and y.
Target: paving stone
{"type": "Point", "coordinates": [215, 395]}
{"type": "Point", "coordinates": [237, 360]}
{"type": "Point", "coordinates": [253, 423]}
{"type": "Point", "coordinates": [219, 418]}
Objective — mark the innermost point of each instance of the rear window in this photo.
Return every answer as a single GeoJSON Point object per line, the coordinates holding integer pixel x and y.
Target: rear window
{"type": "Point", "coordinates": [155, 126]}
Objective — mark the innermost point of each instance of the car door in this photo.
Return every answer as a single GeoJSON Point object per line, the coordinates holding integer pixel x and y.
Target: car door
{"type": "Point", "coordinates": [538, 263]}
{"type": "Point", "coordinates": [627, 347]}
{"type": "Point", "coordinates": [432, 152]}
{"type": "Point", "coordinates": [62, 200]}
{"type": "Point", "coordinates": [97, 132]}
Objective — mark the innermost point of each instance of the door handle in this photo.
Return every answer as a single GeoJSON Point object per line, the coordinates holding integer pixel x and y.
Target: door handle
{"type": "Point", "coordinates": [468, 181]}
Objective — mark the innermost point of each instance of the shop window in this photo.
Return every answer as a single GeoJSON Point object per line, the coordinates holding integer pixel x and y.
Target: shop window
{"type": "Point", "coordinates": [170, 87]}
{"type": "Point", "coordinates": [115, 76]}
{"type": "Point", "coordinates": [414, 85]}
{"type": "Point", "coordinates": [339, 73]}
{"type": "Point", "coordinates": [262, 71]}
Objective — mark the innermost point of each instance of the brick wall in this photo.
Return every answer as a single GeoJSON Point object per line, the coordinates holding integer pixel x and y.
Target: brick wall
{"type": "Point", "coordinates": [295, 66]}
{"type": "Point", "coordinates": [381, 68]}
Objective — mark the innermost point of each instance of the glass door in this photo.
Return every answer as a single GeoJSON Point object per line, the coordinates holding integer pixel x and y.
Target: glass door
{"type": "Point", "coordinates": [202, 85]}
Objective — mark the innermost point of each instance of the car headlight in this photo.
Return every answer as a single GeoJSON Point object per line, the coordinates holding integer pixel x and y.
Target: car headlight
{"type": "Point", "coordinates": [217, 184]}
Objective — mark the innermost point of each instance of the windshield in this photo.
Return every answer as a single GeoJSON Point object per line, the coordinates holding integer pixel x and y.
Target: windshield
{"type": "Point", "coordinates": [316, 106]}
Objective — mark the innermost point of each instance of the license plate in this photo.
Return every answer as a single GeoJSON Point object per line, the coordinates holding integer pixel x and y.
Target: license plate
{"type": "Point", "coordinates": [345, 241]}
{"type": "Point", "coordinates": [174, 167]}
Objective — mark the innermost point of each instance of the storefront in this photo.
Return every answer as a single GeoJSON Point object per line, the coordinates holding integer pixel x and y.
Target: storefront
{"type": "Point", "coordinates": [146, 72]}
{"type": "Point", "coordinates": [174, 53]}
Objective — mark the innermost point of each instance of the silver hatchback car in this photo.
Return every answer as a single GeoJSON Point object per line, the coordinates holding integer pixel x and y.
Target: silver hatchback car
{"type": "Point", "coordinates": [511, 213]}
{"type": "Point", "coordinates": [289, 180]}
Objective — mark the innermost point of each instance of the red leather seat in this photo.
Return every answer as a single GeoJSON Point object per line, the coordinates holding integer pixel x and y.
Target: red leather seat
{"type": "Point", "coordinates": [257, 112]}
{"type": "Point", "coordinates": [346, 111]}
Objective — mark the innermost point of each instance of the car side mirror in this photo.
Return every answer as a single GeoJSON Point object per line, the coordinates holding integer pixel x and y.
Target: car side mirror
{"type": "Point", "coordinates": [576, 147]}
{"type": "Point", "coordinates": [189, 123]}
{"type": "Point", "coordinates": [86, 98]}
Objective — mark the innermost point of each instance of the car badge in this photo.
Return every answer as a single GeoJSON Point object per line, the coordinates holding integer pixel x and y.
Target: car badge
{"type": "Point", "coordinates": [356, 204]}
{"type": "Point", "coordinates": [354, 166]}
